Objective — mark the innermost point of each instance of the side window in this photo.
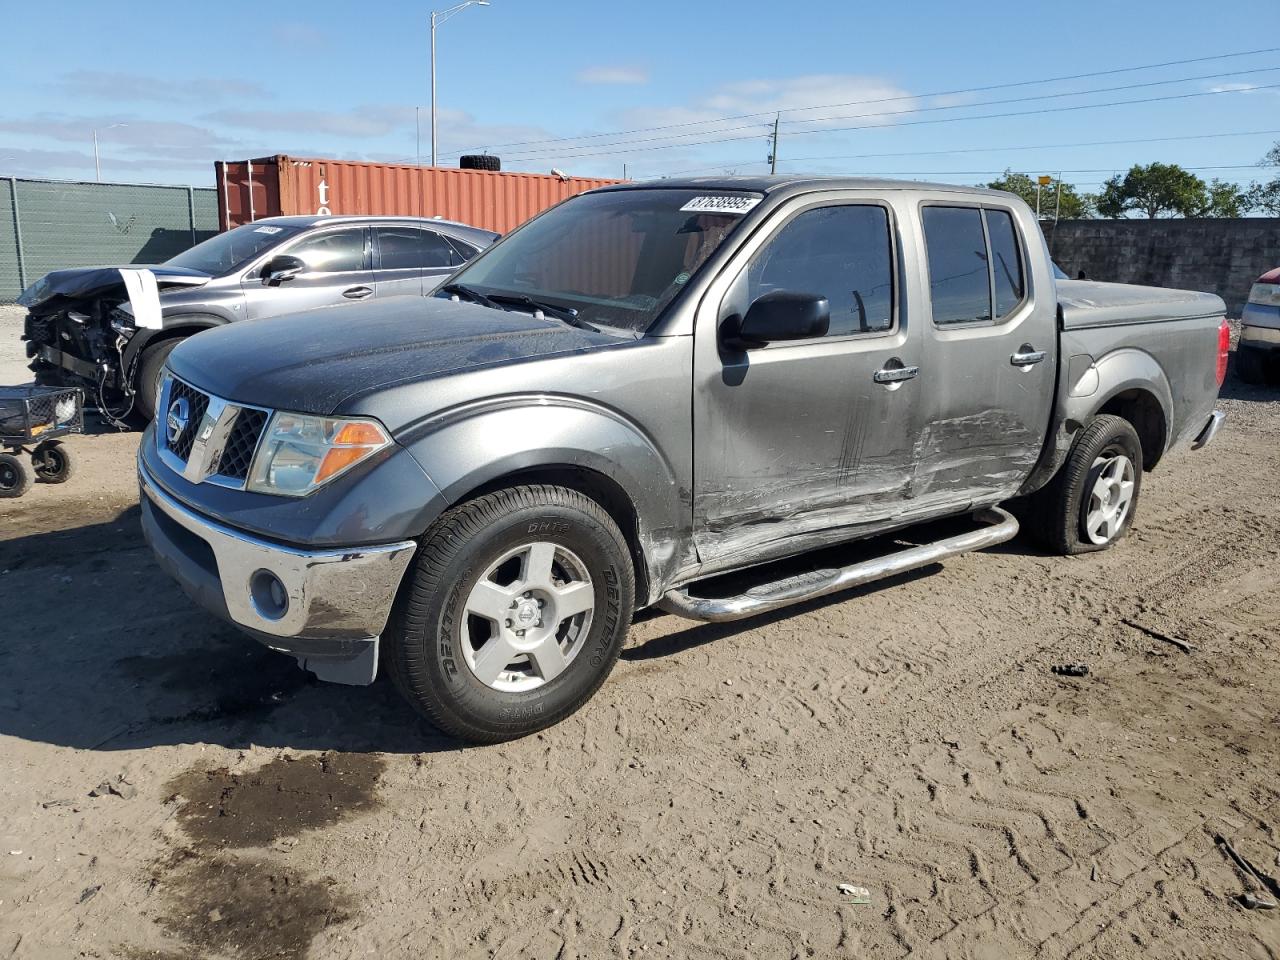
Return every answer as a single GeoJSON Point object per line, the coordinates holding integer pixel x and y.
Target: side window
{"type": "Point", "coordinates": [333, 252]}
{"type": "Point", "coordinates": [959, 281]}
{"type": "Point", "coordinates": [408, 248]}
{"type": "Point", "coordinates": [843, 253]}
{"type": "Point", "coordinates": [462, 252]}
{"type": "Point", "coordinates": [1006, 261]}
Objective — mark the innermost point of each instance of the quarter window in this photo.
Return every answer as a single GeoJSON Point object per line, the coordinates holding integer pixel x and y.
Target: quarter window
{"type": "Point", "coordinates": [842, 253]}
{"type": "Point", "coordinates": [408, 248]}
{"type": "Point", "coordinates": [337, 251]}
{"type": "Point", "coordinates": [1006, 263]}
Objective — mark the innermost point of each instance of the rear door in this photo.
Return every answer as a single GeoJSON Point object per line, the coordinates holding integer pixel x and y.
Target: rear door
{"type": "Point", "coordinates": [338, 270]}
{"type": "Point", "coordinates": [410, 260]}
{"type": "Point", "coordinates": [990, 363]}
{"type": "Point", "coordinates": [808, 440]}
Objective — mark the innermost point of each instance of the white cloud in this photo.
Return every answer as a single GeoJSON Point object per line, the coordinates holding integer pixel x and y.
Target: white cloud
{"type": "Point", "coordinates": [617, 74]}
{"type": "Point", "coordinates": [120, 86]}
{"type": "Point", "coordinates": [1246, 88]}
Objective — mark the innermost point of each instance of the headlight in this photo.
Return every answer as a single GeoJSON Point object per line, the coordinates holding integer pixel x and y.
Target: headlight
{"type": "Point", "coordinates": [1264, 293]}
{"type": "Point", "coordinates": [300, 453]}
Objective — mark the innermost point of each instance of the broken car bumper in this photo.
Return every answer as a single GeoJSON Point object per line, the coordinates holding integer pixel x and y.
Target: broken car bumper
{"type": "Point", "coordinates": [325, 607]}
{"type": "Point", "coordinates": [1210, 430]}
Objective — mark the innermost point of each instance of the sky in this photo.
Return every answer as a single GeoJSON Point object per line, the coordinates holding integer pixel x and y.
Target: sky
{"type": "Point", "coordinates": [170, 88]}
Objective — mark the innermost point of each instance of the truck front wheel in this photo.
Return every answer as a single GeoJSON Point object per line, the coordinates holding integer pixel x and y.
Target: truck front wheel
{"type": "Point", "coordinates": [1090, 502]}
{"type": "Point", "coordinates": [515, 613]}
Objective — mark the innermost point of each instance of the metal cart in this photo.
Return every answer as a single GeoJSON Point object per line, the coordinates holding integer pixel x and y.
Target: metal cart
{"type": "Point", "coordinates": [33, 421]}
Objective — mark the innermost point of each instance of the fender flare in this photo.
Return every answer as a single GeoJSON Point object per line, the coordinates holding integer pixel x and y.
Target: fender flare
{"type": "Point", "coordinates": [1116, 373]}
{"type": "Point", "coordinates": [477, 445]}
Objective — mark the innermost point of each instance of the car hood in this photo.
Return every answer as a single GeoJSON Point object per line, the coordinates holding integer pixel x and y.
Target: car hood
{"type": "Point", "coordinates": [312, 362]}
{"type": "Point", "coordinates": [83, 283]}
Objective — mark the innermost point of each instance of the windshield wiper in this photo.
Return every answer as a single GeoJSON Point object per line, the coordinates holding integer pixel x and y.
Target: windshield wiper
{"type": "Point", "coordinates": [565, 314]}
{"type": "Point", "coordinates": [472, 294]}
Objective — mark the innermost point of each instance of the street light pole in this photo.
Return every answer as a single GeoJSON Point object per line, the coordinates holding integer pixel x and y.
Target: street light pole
{"type": "Point", "coordinates": [97, 164]}
{"type": "Point", "coordinates": [436, 20]}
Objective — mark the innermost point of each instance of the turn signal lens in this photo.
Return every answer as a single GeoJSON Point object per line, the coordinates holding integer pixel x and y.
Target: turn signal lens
{"type": "Point", "coordinates": [1224, 350]}
{"type": "Point", "coordinates": [299, 452]}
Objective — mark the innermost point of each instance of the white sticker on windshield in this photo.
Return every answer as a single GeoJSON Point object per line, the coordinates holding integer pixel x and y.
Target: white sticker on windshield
{"type": "Point", "coordinates": [270, 231]}
{"type": "Point", "coordinates": [736, 206]}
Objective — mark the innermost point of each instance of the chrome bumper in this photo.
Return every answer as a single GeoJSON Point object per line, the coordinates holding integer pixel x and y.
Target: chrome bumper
{"type": "Point", "coordinates": [326, 607]}
{"type": "Point", "coordinates": [1210, 430]}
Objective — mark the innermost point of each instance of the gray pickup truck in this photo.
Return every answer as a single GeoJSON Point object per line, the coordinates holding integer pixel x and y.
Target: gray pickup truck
{"type": "Point", "coordinates": [644, 388]}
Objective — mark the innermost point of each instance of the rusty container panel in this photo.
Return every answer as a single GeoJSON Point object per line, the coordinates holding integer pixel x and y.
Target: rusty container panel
{"type": "Point", "coordinates": [271, 186]}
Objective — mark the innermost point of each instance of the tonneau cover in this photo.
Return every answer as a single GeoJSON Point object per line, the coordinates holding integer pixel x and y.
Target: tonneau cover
{"type": "Point", "coordinates": [1089, 303]}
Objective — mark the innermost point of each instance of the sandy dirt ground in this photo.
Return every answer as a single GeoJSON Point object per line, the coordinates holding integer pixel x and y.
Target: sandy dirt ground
{"type": "Point", "coordinates": [911, 739]}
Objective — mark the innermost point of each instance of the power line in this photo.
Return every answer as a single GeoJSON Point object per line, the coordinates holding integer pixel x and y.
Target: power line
{"type": "Point", "coordinates": [913, 110]}
{"type": "Point", "coordinates": [913, 123]}
{"type": "Point", "coordinates": [849, 103]}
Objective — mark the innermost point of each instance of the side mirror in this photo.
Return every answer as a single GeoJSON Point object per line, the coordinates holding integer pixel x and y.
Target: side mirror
{"type": "Point", "coordinates": [281, 268]}
{"type": "Point", "coordinates": [782, 315]}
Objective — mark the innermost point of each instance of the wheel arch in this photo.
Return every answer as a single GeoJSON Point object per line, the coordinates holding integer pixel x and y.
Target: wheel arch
{"type": "Point", "coordinates": [576, 444]}
{"type": "Point", "coordinates": [1132, 385]}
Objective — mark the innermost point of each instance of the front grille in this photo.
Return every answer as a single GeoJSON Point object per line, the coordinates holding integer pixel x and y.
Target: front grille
{"type": "Point", "coordinates": [243, 441]}
{"type": "Point", "coordinates": [197, 404]}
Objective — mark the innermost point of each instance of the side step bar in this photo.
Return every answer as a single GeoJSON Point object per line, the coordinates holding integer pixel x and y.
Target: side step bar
{"type": "Point", "coordinates": [1000, 526]}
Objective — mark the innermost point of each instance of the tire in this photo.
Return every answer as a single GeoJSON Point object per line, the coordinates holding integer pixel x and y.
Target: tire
{"type": "Point", "coordinates": [1059, 514]}
{"type": "Point", "coordinates": [434, 646]}
{"type": "Point", "coordinates": [15, 476]}
{"type": "Point", "coordinates": [150, 369]}
{"type": "Point", "coordinates": [480, 161]}
{"type": "Point", "coordinates": [52, 462]}
{"type": "Point", "coordinates": [1250, 365]}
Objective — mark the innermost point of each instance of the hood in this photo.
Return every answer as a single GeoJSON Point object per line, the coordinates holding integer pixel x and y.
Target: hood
{"type": "Point", "coordinates": [1089, 303]}
{"type": "Point", "coordinates": [311, 362]}
{"type": "Point", "coordinates": [82, 283]}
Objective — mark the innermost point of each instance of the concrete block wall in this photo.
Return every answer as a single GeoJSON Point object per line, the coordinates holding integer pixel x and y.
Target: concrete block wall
{"type": "Point", "coordinates": [1222, 256]}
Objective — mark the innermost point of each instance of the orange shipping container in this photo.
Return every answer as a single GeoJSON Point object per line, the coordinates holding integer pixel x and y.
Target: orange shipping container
{"type": "Point", "coordinates": [273, 186]}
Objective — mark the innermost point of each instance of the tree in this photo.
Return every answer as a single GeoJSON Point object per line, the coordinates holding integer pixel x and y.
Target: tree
{"type": "Point", "coordinates": [1227, 200]}
{"type": "Point", "coordinates": [1158, 189]}
{"type": "Point", "coordinates": [1266, 196]}
{"type": "Point", "coordinates": [1075, 206]}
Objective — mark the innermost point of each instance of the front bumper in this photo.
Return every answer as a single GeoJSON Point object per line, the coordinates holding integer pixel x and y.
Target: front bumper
{"type": "Point", "coordinates": [325, 607]}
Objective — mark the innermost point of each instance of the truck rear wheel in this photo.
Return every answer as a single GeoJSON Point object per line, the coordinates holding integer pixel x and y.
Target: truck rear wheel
{"type": "Point", "coordinates": [515, 613]}
{"type": "Point", "coordinates": [1090, 502]}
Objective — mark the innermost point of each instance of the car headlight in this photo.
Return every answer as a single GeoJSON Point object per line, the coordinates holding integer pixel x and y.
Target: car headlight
{"type": "Point", "coordinates": [300, 453]}
{"type": "Point", "coordinates": [1264, 293]}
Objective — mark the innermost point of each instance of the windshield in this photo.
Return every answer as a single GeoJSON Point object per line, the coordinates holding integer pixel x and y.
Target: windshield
{"type": "Point", "coordinates": [231, 250]}
{"type": "Point", "coordinates": [617, 258]}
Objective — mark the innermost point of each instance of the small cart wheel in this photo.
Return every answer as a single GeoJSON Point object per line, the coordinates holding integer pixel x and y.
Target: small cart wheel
{"type": "Point", "coordinates": [52, 462]}
{"type": "Point", "coordinates": [15, 478]}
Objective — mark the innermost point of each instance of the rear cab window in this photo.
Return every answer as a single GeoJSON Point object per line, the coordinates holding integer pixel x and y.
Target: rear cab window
{"type": "Point", "coordinates": [976, 265]}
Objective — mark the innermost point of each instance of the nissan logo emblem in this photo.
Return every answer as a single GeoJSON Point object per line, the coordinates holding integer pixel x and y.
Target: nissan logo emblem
{"type": "Point", "coordinates": [176, 420]}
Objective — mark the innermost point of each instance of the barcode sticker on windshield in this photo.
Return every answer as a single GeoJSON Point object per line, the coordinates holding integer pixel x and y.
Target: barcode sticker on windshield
{"type": "Point", "coordinates": [270, 231]}
{"type": "Point", "coordinates": [731, 205]}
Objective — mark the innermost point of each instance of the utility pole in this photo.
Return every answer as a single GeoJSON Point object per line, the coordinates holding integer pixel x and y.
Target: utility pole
{"type": "Point", "coordinates": [773, 153]}
{"type": "Point", "coordinates": [438, 18]}
{"type": "Point", "coordinates": [1057, 207]}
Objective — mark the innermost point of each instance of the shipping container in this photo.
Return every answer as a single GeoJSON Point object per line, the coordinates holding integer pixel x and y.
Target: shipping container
{"type": "Point", "coordinates": [274, 186]}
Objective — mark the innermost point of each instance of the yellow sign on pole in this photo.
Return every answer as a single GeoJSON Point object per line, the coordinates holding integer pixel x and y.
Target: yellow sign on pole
{"type": "Point", "coordinates": [1044, 181]}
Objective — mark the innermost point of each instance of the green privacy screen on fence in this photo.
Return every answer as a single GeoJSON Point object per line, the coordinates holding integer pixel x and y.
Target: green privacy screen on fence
{"type": "Point", "coordinates": [51, 224]}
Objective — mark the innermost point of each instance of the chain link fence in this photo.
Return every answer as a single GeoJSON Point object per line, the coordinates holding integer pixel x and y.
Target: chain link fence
{"type": "Point", "coordinates": [52, 224]}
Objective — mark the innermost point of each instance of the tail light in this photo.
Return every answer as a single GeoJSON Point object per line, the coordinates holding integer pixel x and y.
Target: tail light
{"type": "Point", "coordinates": [1224, 349]}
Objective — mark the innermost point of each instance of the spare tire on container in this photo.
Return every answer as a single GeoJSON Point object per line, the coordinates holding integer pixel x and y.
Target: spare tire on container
{"type": "Point", "coordinates": [480, 161]}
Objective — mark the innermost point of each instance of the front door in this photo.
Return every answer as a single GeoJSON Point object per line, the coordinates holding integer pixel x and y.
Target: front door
{"type": "Point", "coordinates": [799, 443]}
{"type": "Point", "coordinates": [990, 362]}
{"type": "Point", "coordinates": [337, 270]}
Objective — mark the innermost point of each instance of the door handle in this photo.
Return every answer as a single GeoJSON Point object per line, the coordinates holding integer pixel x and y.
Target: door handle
{"type": "Point", "coordinates": [894, 374]}
{"type": "Point", "coordinates": [1025, 358]}
{"type": "Point", "coordinates": [357, 293]}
